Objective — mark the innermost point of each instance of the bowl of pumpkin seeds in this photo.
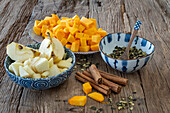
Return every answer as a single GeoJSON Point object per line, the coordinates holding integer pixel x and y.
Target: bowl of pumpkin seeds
{"type": "Point", "coordinates": [112, 46]}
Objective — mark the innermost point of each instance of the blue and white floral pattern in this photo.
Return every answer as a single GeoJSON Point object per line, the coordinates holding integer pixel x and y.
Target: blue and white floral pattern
{"type": "Point", "coordinates": [109, 42]}
{"type": "Point", "coordinates": [41, 83]}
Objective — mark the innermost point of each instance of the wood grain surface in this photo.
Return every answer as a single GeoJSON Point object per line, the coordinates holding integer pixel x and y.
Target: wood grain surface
{"type": "Point", "coordinates": [152, 83]}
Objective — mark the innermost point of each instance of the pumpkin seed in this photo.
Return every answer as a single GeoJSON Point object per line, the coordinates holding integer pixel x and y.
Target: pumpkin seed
{"type": "Point", "coordinates": [93, 107]}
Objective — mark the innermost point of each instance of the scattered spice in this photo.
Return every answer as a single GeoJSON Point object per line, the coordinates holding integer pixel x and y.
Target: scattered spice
{"type": "Point", "coordinates": [97, 110]}
{"type": "Point", "coordinates": [134, 92]}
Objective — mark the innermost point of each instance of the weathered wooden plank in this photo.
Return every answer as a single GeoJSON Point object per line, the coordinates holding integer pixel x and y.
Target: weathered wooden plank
{"type": "Point", "coordinates": [14, 18]}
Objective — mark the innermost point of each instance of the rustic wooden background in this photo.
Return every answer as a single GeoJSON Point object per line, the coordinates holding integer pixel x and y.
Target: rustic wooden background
{"type": "Point", "coordinates": [152, 83]}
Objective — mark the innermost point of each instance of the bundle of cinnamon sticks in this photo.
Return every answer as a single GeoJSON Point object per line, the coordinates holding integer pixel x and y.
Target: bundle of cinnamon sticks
{"type": "Point", "coordinates": [102, 81]}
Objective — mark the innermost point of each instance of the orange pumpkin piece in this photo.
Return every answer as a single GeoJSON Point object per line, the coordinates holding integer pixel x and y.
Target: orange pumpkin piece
{"type": "Point", "coordinates": [95, 47]}
{"type": "Point", "coordinates": [60, 34]}
{"type": "Point", "coordinates": [68, 46]}
{"type": "Point", "coordinates": [94, 23]}
{"type": "Point", "coordinates": [36, 23]}
{"type": "Point", "coordinates": [53, 22]}
{"type": "Point", "coordinates": [55, 17]}
{"type": "Point", "coordinates": [96, 96]}
{"type": "Point", "coordinates": [96, 38]}
{"type": "Point", "coordinates": [57, 28]}
{"type": "Point", "coordinates": [81, 28]}
{"type": "Point", "coordinates": [83, 41]}
{"type": "Point", "coordinates": [37, 30]}
{"type": "Point", "coordinates": [42, 22]}
{"type": "Point", "coordinates": [75, 46]}
{"type": "Point", "coordinates": [86, 22]}
{"type": "Point", "coordinates": [78, 100]}
{"type": "Point", "coordinates": [66, 30]}
{"type": "Point", "coordinates": [79, 35]}
{"type": "Point", "coordinates": [73, 30]}
{"type": "Point", "coordinates": [84, 48]}
{"type": "Point", "coordinates": [87, 88]}
{"type": "Point", "coordinates": [44, 28]}
{"type": "Point", "coordinates": [86, 36]}
{"type": "Point", "coordinates": [101, 32]}
{"type": "Point", "coordinates": [64, 41]}
{"type": "Point", "coordinates": [64, 18]}
{"type": "Point", "coordinates": [90, 31]}
{"type": "Point", "coordinates": [76, 17]}
{"type": "Point", "coordinates": [70, 38]}
{"type": "Point", "coordinates": [63, 23]}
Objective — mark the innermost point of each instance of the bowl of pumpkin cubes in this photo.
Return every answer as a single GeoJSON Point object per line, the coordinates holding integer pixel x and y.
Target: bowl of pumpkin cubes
{"type": "Point", "coordinates": [39, 66]}
{"type": "Point", "coordinates": [80, 35]}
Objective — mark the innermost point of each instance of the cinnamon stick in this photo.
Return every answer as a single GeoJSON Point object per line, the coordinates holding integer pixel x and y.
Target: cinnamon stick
{"type": "Point", "coordinates": [114, 87]}
{"type": "Point", "coordinates": [93, 85]}
{"type": "Point", "coordinates": [95, 74]}
{"type": "Point", "coordinates": [114, 78]}
{"type": "Point", "coordinates": [91, 80]}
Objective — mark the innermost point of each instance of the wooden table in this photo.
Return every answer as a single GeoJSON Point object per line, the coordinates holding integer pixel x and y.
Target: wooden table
{"type": "Point", "coordinates": [151, 83]}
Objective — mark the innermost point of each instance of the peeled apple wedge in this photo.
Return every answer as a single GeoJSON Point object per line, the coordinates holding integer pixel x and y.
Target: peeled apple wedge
{"type": "Point", "coordinates": [54, 70]}
{"type": "Point", "coordinates": [19, 52]}
{"type": "Point", "coordinates": [64, 64]}
{"type": "Point", "coordinates": [23, 73]}
{"type": "Point", "coordinates": [42, 65]}
{"type": "Point", "coordinates": [58, 48]}
{"type": "Point", "coordinates": [46, 47]}
{"type": "Point", "coordinates": [15, 67]}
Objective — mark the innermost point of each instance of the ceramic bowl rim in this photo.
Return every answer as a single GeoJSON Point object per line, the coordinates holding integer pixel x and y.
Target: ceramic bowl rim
{"type": "Point", "coordinates": [48, 78]}
{"type": "Point", "coordinates": [127, 59]}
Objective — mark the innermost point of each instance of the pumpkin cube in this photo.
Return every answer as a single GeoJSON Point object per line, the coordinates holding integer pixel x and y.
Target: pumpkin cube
{"type": "Point", "coordinates": [75, 47]}
{"type": "Point", "coordinates": [94, 24]}
{"type": "Point", "coordinates": [86, 22]}
{"type": "Point", "coordinates": [42, 22]}
{"type": "Point", "coordinates": [73, 30]}
{"type": "Point", "coordinates": [64, 18]}
{"type": "Point", "coordinates": [53, 22]}
{"type": "Point", "coordinates": [87, 87]}
{"type": "Point", "coordinates": [95, 47]}
{"type": "Point", "coordinates": [70, 38]}
{"type": "Point", "coordinates": [96, 96]}
{"type": "Point", "coordinates": [56, 28]}
{"type": "Point", "coordinates": [76, 17]}
{"type": "Point", "coordinates": [37, 30]}
{"type": "Point", "coordinates": [55, 17]}
{"type": "Point", "coordinates": [68, 46]}
{"type": "Point", "coordinates": [44, 28]}
{"type": "Point", "coordinates": [101, 32]}
{"type": "Point", "coordinates": [78, 100]}
{"type": "Point", "coordinates": [86, 36]}
{"type": "Point", "coordinates": [90, 31]}
{"type": "Point", "coordinates": [60, 34]}
{"type": "Point", "coordinates": [63, 23]}
{"type": "Point", "coordinates": [79, 35]}
{"type": "Point", "coordinates": [83, 41]}
{"type": "Point", "coordinates": [36, 23]}
{"type": "Point", "coordinates": [96, 38]}
{"type": "Point", "coordinates": [64, 41]}
{"type": "Point", "coordinates": [84, 48]}
{"type": "Point", "coordinates": [81, 28]}
{"type": "Point", "coordinates": [66, 30]}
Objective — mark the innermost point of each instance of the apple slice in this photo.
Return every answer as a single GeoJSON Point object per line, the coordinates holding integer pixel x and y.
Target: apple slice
{"type": "Point", "coordinates": [28, 70]}
{"type": "Point", "coordinates": [42, 65]}
{"type": "Point", "coordinates": [64, 64]}
{"type": "Point", "coordinates": [15, 67]}
{"type": "Point", "coordinates": [27, 62]}
{"type": "Point", "coordinates": [45, 74]}
{"type": "Point", "coordinates": [23, 73]}
{"type": "Point", "coordinates": [54, 70]}
{"type": "Point", "coordinates": [58, 48]}
{"type": "Point", "coordinates": [20, 52]}
{"type": "Point", "coordinates": [46, 48]}
{"type": "Point", "coordinates": [36, 76]}
{"type": "Point", "coordinates": [10, 69]}
{"type": "Point", "coordinates": [51, 63]}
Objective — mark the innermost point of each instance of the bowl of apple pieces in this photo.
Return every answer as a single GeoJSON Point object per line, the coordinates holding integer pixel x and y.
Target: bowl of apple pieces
{"type": "Point", "coordinates": [39, 66]}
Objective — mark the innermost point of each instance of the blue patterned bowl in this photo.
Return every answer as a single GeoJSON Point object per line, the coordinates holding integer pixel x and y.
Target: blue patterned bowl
{"type": "Point", "coordinates": [41, 83]}
{"type": "Point", "coordinates": [110, 41]}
